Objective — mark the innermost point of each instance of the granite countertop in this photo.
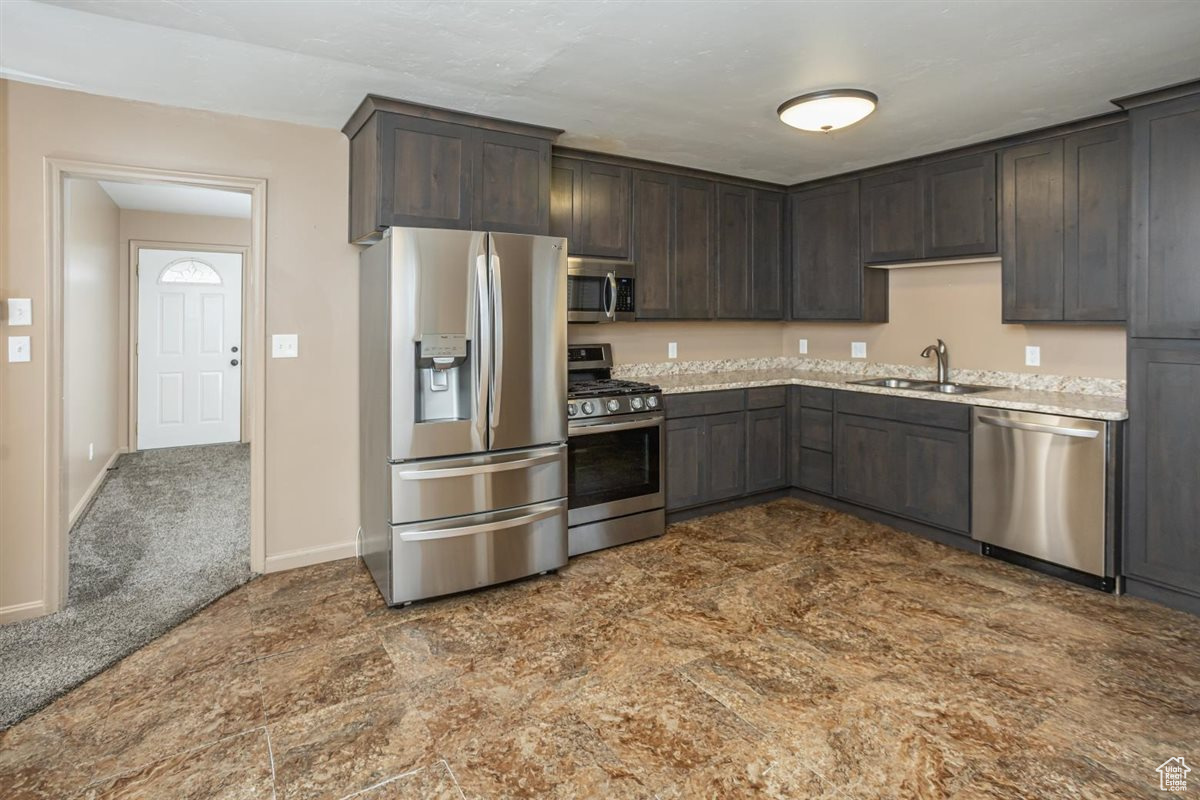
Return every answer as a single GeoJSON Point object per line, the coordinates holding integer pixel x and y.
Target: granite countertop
{"type": "Point", "coordinates": [1073, 404]}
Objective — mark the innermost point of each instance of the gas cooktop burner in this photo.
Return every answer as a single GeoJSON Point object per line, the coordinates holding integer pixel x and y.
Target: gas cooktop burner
{"type": "Point", "coordinates": [606, 387]}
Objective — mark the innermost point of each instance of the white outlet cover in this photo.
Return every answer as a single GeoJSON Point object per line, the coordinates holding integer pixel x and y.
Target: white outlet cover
{"type": "Point", "coordinates": [1033, 356]}
{"type": "Point", "coordinates": [20, 312]}
{"type": "Point", "coordinates": [285, 345]}
{"type": "Point", "coordinates": [858, 349]}
{"type": "Point", "coordinates": [18, 349]}
{"type": "Point", "coordinates": [802, 346]}
{"type": "Point", "coordinates": [672, 350]}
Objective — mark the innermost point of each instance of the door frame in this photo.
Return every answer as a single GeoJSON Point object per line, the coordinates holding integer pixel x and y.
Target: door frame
{"type": "Point", "coordinates": [131, 301]}
{"type": "Point", "coordinates": [56, 172]}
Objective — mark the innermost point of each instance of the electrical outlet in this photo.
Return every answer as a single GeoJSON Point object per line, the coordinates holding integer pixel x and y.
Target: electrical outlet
{"type": "Point", "coordinates": [18, 349]}
{"type": "Point", "coordinates": [20, 312]}
{"type": "Point", "coordinates": [672, 350]}
{"type": "Point", "coordinates": [1033, 356]}
{"type": "Point", "coordinates": [285, 345]}
{"type": "Point", "coordinates": [802, 346]}
{"type": "Point", "coordinates": [858, 349]}
{"type": "Point", "coordinates": [91, 450]}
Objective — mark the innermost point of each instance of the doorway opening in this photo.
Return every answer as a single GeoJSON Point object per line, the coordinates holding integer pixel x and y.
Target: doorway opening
{"type": "Point", "coordinates": [154, 375]}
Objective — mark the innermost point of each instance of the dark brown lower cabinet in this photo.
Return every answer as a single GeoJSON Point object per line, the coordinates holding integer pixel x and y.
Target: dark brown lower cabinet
{"type": "Point", "coordinates": [810, 425]}
{"type": "Point", "coordinates": [766, 449]}
{"type": "Point", "coordinates": [1162, 536]}
{"type": "Point", "coordinates": [864, 461]}
{"type": "Point", "coordinates": [725, 436]}
{"type": "Point", "coordinates": [706, 459]}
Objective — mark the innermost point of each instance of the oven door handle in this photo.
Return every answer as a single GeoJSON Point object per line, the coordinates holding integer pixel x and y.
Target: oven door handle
{"type": "Point", "coordinates": [613, 427]}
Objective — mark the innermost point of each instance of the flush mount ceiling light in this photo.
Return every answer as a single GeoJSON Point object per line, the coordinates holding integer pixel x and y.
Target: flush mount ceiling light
{"type": "Point", "coordinates": [827, 110]}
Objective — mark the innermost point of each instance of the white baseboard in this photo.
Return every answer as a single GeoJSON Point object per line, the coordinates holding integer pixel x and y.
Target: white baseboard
{"type": "Point", "coordinates": [82, 505]}
{"type": "Point", "coordinates": [310, 556]}
{"type": "Point", "coordinates": [21, 611]}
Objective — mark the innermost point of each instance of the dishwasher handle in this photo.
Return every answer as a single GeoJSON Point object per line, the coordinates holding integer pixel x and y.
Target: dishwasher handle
{"type": "Point", "coordinates": [1077, 433]}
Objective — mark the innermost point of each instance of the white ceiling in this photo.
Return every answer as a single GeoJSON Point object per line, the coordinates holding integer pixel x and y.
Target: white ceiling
{"type": "Point", "coordinates": [178, 199]}
{"type": "Point", "coordinates": [693, 83]}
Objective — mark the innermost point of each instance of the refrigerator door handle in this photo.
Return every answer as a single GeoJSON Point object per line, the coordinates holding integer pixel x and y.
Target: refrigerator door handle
{"type": "Point", "coordinates": [485, 527]}
{"type": "Point", "coordinates": [483, 340]}
{"type": "Point", "coordinates": [497, 333]}
{"type": "Point", "coordinates": [478, 469]}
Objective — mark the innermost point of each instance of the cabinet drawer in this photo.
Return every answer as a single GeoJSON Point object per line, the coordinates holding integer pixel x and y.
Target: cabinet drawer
{"type": "Point", "coordinates": [766, 397]}
{"type": "Point", "coordinates": [903, 409]}
{"type": "Point", "coordinates": [699, 403]}
{"type": "Point", "coordinates": [816, 429]}
{"type": "Point", "coordinates": [814, 397]}
{"type": "Point", "coordinates": [816, 471]}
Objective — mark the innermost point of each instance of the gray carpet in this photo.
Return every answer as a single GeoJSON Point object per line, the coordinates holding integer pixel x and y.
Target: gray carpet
{"type": "Point", "coordinates": [167, 534]}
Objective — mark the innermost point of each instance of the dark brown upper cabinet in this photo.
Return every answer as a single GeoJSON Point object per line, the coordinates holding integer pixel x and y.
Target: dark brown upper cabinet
{"type": "Point", "coordinates": [591, 204]}
{"type": "Point", "coordinates": [1166, 219]}
{"type": "Point", "coordinates": [946, 209]}
{"type": "Point", "coordinates": [674, 245]}
{"type": "Point", "coordinates": [413, 165]}
{"type": "Point", "coordinates": [749, 253]}
{"type": "Point", "coordinates": [828, 280]}
{"type": "Point", "coordinates": [1065, 212]}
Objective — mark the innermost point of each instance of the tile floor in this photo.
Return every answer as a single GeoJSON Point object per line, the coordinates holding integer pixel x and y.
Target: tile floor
{"type": "Point", "coordinates": [777, 651]}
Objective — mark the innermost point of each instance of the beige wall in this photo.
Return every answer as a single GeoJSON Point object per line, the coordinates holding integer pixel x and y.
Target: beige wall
{"type": "Point", "coordinates": [156, 226]}
{"type": "Point", "coordinates": [311, 446]}
{"type": "Point", "coordinates": [961, 304]}
{"type": "Point", "coordinates": [91, 349]}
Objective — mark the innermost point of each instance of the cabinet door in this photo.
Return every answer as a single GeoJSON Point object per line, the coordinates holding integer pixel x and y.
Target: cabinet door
{"type": "Point", "coordinates": [1032, 260]}
{"type": "Point", "coordinates": [425, 172]}
{"type": "Point", "coordinates": [604, 203]}
{"type": "Point", "coordinates": [766, 452]}
{"type": "Point", "coordinates": [1166, 220]}
{"type": "Point", "coordinates": [564, 207]}
{"type": "Point", "coordinates": [1096, 177]}
{"type": "Point", "coordinates": [933, 475]}
{"type": "Point", "coordinates": [653, 242]}
{"type": "Point", "coordinates": [695, 248]}
{"type": "Point", "coordinates": [960, 207]}
{"type": "Point", "coordinates": [864, 471]}
{"type": "Point", "coordinates": [512, 183]}
{"type": "Point", "coordinates": [733, 252]}
{"type": "Point", "coordinates": [725, 454]}
{"type": "Point", "coordinates": [1161, 542]}
{"type": "Point", "coordinates": [892, 209]}
{"type": "Point", "coordinates": [686, 462]}
{"type": "Point", "coordinates": [828, 278]}
{"type": "Point", "coordinates": [766, 265]}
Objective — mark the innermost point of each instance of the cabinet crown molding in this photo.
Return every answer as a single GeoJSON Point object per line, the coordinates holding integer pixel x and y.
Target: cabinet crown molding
{"type": "Point", "coordinates": [1172, 92]}
{"type": "Point", "coordinates": [373, 102]}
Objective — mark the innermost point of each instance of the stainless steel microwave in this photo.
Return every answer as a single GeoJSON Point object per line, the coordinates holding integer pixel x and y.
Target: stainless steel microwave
{"type": "Point", "coordinates": [599, 290]}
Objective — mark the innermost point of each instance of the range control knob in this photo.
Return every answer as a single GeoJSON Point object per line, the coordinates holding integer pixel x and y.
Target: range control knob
{"type": "Point", "coordinates": [652, 401]}
{"type": "Point", "coordinates": [635, 403]}
{"type": "Point", "coordinates": [571, 410]}
{"type": "Point", "coordinates": [588, 408]}
{"type": "Point", "coordinates": [613, 405]}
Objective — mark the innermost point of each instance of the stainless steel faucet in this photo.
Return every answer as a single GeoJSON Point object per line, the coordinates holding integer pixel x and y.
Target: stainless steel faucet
{"type": "Point", "coordinates": [943, 360]}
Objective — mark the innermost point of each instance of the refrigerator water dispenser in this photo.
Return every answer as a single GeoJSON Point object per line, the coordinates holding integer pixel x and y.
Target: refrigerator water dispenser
{"type": "Point", "coordinates": [443, 364]}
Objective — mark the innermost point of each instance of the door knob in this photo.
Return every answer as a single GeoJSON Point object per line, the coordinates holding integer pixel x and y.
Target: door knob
{"type": "Point", "coordinates": [234, 362]}
{"type": "Point", "coordinates": [233, 349]}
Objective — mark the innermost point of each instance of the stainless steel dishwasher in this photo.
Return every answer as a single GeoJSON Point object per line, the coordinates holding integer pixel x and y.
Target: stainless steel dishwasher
{"type": "Point", "coordinates": [1043, 492]}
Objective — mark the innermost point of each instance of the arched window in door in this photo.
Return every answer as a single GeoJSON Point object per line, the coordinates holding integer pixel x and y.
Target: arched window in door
{"type": "Point", "coordinates": [189, 270]}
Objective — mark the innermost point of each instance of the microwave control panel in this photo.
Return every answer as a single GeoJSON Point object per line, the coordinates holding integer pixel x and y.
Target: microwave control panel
{"type": "Point", "coordinates": [624, 294]}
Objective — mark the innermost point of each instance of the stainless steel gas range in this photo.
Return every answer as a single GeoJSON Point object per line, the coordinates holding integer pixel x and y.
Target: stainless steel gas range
{"type": "Point", "coordinates": [615, 454]}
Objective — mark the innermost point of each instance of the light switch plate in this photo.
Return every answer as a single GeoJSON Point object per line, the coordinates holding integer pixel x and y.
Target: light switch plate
{"type": "Point", "coordinates": [672, 350]}
{"type": "Point", "coordinates": [1033, 356]}
{"type": "Point", "coordinates": [802, 346]}
{"type": "Point", "coordinates": [285, 345]}
{"type": "Point", "coordinates": [18, 349]}
{"type": "Point", "coordinates": [858, 349]}
{"type": "Point", "coordinates": [20, 312]}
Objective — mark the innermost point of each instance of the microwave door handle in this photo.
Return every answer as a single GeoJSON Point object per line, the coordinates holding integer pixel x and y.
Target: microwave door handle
{"type": "Point", "coordinates": [610, 297]}
{"type": "Point", "coordinates": [483, 346]}
{"type": "Point", "coordinates": [497, 334]}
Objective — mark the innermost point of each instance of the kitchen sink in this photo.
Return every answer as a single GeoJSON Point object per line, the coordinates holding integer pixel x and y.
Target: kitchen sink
{"type": "Point", "coordinates": [955, 388]}
{"type": "Point", "coordinates": [895, 383]}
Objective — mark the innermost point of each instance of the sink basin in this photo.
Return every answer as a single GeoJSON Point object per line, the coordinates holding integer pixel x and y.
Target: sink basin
{"type": "Point", "coordinates": [895, 383]}
{"type": "Point", "coordinates": [955, 388]}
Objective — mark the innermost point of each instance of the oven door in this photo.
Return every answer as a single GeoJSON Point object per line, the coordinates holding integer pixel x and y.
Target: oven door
{"type": "Point", "coordinates": [614, 467]}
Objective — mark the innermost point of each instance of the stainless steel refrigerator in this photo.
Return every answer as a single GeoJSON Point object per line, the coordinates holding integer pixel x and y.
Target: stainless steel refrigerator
{"type": "Point", "coordinates": [463, 427]}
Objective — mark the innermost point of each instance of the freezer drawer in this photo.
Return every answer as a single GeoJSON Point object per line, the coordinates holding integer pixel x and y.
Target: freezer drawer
{"type": "Point", "coordinates": [451, 487]}
{"type": "Point", "coordinates": [1039, 487]}
{"type": "Point", "coordinates": [453, 555]}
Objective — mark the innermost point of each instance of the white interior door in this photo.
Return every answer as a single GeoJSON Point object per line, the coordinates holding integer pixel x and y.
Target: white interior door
{"type": "Point", "coordinates": [189, 348]}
